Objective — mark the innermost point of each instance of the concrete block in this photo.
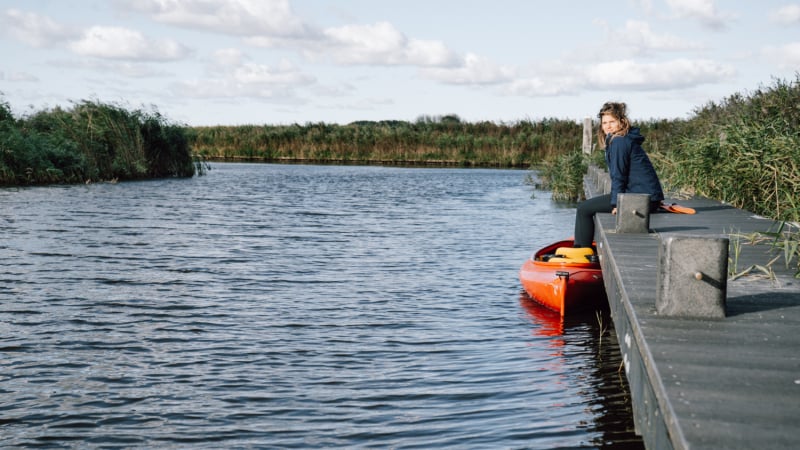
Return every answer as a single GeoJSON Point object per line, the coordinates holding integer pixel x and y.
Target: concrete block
{"type": "Point", "coordinates": [633, 213]}
{"type": "Point", "coordinates": [692, 276]}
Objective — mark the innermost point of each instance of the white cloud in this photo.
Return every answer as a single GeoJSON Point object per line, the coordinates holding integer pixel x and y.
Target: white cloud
{"type": "Point", "coordinates": [429, 53]}
{"type": "Point", "coordinates": [131, 69]}
{"type": "Point", "coordinates": [237, 17]}
{"type": "Point", "coordinates": [273, 24]}
{"type": "Point", "coordinates": [674, 74]}
{"type": "Point", "coordinates": [559, 80]}
{"type": "Point", "coordinates": [124, 43]}
{"type": "Point", "coordinates": [473, 70]}
{"type": "Point", "coordinates": [639, 35]}
{"type": "Point", "coordinates": [34, 29]}
{"type": "Point", "coordinates": [248, 80]}
{"type": "Point", "coordinates": [333, 90]}
{"type": "Point", "coordinates": [786, 56]}
{"type": "Point", "coordinates": [786, 15]}
{"type": "Point", "coordinates": [309, 45]}
{"type": "Point", "coordinates": [635, 38]}
{"type": "Point", "coordinates": [644, 5]}
{"type": "Point", "coordinates": [383, 44]}
{"type": "Point", "coordinates": [18, 77]}
{"type": "Point", "coordinates": [285, 74]}
{"type": "Point", "coordinates": [227, 89]}
{"type": "Point", "coordinates": [228, 57]}
{"type": "Point", "coordinates": [543, 86]}
{"type": "Point", "coordinates": [379, 44]}
{"type": "Point", "coordinates": [703, 10]}
{"type": "Point", "coordinates": [363, 44]}
{"type": "Point", "coordinates": [98, 41]}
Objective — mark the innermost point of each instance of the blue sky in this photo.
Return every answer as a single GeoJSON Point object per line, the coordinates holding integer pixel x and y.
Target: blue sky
{"type": "Point", "coordinates": [208, 62]}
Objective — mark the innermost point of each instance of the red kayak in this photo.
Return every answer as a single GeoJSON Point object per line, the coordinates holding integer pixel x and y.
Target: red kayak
{"type": "Point", "coordinates": [563, 278]}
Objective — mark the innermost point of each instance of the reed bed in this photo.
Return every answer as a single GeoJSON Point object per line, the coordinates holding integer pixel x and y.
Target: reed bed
{"type": "Point", "coordinates": [91, 141]}
{"type": "Point", "coordinates": [744, 150]}
{"type": "Point", "coordinates": [443, 140]}
{"type": "Point", "coordinates": [563, 175]}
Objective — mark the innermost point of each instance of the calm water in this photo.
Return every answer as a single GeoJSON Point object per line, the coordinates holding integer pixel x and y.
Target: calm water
{"type": "Point", "coordinates": [277, 306]}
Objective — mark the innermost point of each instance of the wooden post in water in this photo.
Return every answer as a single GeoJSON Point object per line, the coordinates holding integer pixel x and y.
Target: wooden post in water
{"type": "Point", "coordinates": [587, 135]}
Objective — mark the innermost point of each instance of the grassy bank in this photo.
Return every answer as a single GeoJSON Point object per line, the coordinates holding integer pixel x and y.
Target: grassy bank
{"type": "Point", "coordinates": [91, 141]}
{"type": "Point", "coordinates": [442, 140]}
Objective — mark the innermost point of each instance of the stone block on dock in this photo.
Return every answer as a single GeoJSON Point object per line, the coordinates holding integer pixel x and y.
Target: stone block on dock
{"type": "Point", "coordinates": [692, 276]}
{"type": "Point", "coordinates": [633, 213]}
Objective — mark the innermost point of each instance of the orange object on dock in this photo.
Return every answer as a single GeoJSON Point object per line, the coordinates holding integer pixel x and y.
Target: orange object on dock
{"type": "Point", "coordinates": [563, 278]}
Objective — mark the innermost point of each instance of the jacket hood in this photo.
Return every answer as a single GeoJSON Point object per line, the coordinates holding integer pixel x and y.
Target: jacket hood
{"type": "Point", "coordinates": [635, 135]}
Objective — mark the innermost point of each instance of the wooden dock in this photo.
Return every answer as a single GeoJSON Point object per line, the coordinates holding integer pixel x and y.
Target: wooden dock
{"type": "Point", "coordinates": [731, 383]}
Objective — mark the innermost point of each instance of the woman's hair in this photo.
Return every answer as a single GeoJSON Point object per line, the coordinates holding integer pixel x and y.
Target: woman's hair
{"type": "Point", "coordinates": [618, 111]}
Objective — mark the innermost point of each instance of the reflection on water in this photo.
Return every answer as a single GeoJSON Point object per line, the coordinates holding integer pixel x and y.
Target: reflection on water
{"type": "Point", "coordinates": [546, 321]}
{"type": "Point", "coordinates": [610, 398]}
{"type": "Point", "coordinates": [294, 307]}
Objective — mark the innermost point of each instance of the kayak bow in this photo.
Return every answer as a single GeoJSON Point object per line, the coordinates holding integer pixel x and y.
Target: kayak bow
{"type": "Point", "coordinates": [563, 278]}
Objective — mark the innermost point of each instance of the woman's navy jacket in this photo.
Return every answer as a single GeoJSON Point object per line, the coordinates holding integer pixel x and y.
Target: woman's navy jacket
{"type": "Point", "coordinates": [630, 168]}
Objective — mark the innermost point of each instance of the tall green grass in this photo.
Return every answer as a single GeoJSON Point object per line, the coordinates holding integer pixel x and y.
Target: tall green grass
{"type": "Point", "coordinates": [744, 150]}
{"type": "Point", "coordinates": [563, 175]}
{"type": "Point", "coordinates": [91, 141]}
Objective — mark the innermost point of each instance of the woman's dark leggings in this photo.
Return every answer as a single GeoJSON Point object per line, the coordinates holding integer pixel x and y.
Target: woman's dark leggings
{"type": "Point", "coordinates": [584, 218]}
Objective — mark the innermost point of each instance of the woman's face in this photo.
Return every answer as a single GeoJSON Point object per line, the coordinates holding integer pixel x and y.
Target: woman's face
{"type": "Point", "coordinates": [610, 124]}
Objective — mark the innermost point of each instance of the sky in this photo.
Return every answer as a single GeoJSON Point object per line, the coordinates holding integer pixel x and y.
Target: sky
{"type": "Point", "coordinates": [233, 62]}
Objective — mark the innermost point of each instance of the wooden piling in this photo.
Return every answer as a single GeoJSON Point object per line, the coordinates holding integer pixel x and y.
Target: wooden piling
{"type": "Point", "coordinates": [587, 135]}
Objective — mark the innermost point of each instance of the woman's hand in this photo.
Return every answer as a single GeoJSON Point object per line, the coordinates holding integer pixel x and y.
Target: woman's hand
{"type": "Point", "coordinates": [614, 211]}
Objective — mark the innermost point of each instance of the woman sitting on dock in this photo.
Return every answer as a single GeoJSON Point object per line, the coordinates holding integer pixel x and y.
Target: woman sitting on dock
{"type": "Point", "coordinates": [628, 166]}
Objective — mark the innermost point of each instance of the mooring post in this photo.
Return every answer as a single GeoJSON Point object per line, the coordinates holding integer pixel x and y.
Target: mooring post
{"type": "Point", "coordinates": [692, 276]}
{"type": "Point", "coordinates": [633, 213]}
{"type": "Point", "coordinates": [587, 135]}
